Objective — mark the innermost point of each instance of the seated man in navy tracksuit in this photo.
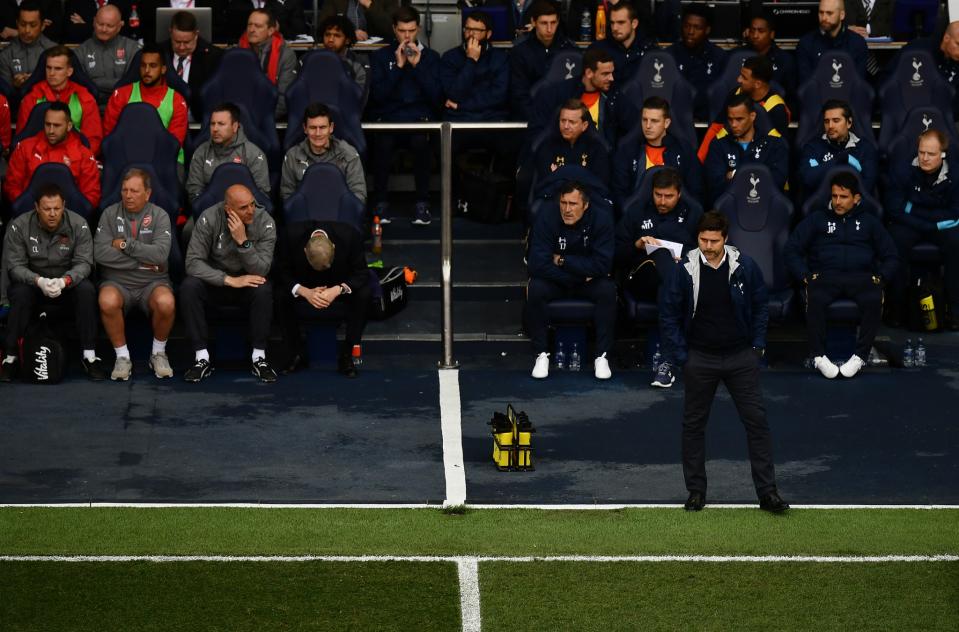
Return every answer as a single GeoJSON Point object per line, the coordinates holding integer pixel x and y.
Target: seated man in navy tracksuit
{"type": "Point", "coordinates": [739, 144]}
{"type": "Point", "coordinates": [530, 59]}
{"type": "Point", "coordinates": [571, 256]}
{"type": "Point", "coordinates": [832, 35]}
{"type": "Point", "coordinates": [572, 145]}
{"type": "Point", "coordinates": [841, 251]}
{"type": "Point", "coordinates": [922, 203]}
{"type": "Point", "coordinates": [405, 88]}
{"type": "Point", "coordinates": [838, 145]}
{"type": "Point", "coordinates": [700, 61]}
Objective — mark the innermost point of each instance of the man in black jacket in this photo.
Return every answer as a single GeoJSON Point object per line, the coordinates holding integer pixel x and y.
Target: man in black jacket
{"type": "Point", "coordinates": [323, 274]}
{"type": "Point", "coordinates": [574, 145]}
{"type": "Point", "coordinates": [191, 57]}
{"type": "Point", "coordinates": [530, 59]}
{"type": "Point", "coordinates": [842, 252]}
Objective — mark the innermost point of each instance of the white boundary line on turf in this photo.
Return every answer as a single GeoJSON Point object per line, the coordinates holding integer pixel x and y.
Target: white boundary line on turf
{"type": "Point", "coordinates": [609, 507]}
{"type": "Point", "coordinates": [475, 559]}
{"type": "Point", "coordinates": [451, 424]}
{"type": "Point", "coordinates": [468, 570]}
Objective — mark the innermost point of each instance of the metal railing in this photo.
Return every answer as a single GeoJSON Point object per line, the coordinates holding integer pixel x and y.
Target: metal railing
{"type": "Point", "coordinates": [446, 210]}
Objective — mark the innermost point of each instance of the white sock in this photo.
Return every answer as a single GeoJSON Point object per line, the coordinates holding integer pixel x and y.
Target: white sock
{"type": "Point", "coordinates": [122, 352]}
{"type": "Point", "coordinates": [259, 354]}
{"type": "Point", "coordinates": [159, 346]}
{"type": "Point", "coordinates": [89, 355]}
{"type": "Point", "coordinates": [202, 354]}
{"type": "Point", "coordinates": [10, 359]}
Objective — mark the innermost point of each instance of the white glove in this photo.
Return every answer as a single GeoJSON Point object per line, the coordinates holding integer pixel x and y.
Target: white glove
{"type": "Point", "coordinates": [55, 286]}
{"type": "Point", "coordinates": [44, 284]}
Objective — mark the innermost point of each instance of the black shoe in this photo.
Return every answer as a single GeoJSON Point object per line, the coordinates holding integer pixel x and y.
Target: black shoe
{"type": "Point", "coordinates": [695, 502]}
{"type": "Point", "coordinates": [345, 366]}
{"type": "Point", "coordinates": [9, 371]}
{"type": "Point", "coordinates": [263, 371]}
{"type": "Point", "coordinates": [297, 363]}
{"type": "Point", "coordinates": [773, 503]}
{"type": "Point", "coordinates": [201, 369]}
{"type": "Point", "coordinates": [94, 369]}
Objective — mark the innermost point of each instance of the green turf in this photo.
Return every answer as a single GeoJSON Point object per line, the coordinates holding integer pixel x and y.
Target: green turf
{"type": "Point", "coordinates": [224, 531]}
{"type": "Point", "coordinates": [686, 596]}
{"type": "Point", "coordinates": [234, 597]}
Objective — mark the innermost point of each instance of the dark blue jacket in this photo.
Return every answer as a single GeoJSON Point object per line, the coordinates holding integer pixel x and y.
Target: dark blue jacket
{"type": "Point", "coordinates": [587, 246]}
{"type": "Point", "coordinates": [726, 154]}
{"type": "Point", "coordinates": [528, 63]}
{"type": "Point", "coordinates": [643, 220]}
{"type": "Point", "coordinates": [700, 68]}
{"type": "Point", "coordinates": [814, 44]}
{"type": "Point", "coordinates": [678, 303]}
{"type": "Point", "coordinates": [819, 155]}
{"type": "Point", "coordinates": [404, 94]}
{"type": "Point", "coordinates": [544, 108]}
{"type": "Point", "coordinates": [825, 242]}
{"type": "Point", "coordinates": [784, 70]}
{"type": "Point", "coordinates": [926, 203]}
{"type": "Point", "coordinates": [625, 60]}
{"type": "Point", "coordinates": [588, 151]}
{"type": "Point", "coordinates": [480, 88]}
{"type": "Point", "coordinates": [629, 166]}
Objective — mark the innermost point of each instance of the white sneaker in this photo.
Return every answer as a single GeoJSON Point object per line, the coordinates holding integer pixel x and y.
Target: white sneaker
{"type": "Point", "coordinates": [161, 365]}
{"type": "Point", "coordinates": [852, 366]}
{"type": "Point", "coordinates": [122, 369]}
{"type": "Point", "coordinates": [826, 367]}
{"type": "Point", "coordinates": [541, 368]}
{"type": "Point", "coordinates": [601, 368]}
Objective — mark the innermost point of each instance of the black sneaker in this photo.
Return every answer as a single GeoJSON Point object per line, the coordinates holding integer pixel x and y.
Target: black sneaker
{"type": "Point", "coordinates": [9, 371]}
{"type": "Point", "coordinates": [664, 376]}
{"type": "Point", "coordinates": [94, 369]}
{"type": "Point", "coordinates": [201, 369]}
{"type": "Point", "coordinates": [345, 366]}
{"type": "Point", "coordinates": [421, 216]}
{"type": "Point", "coordinates": [263, 370]}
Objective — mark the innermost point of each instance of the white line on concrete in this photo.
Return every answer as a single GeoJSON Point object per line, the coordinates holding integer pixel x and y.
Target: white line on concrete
{"type": "Point", "coordinates": [574, 507]}
{"type": "Point", "coordinates": [644, 559]}
{"type": "Point", "coordinates": [468, 570]}
{"type": "Point", "coordinates": [450, 421]}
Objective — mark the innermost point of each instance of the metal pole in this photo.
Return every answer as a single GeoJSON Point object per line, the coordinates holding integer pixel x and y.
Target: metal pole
{"type": "Point", "coordinates": [446, 241]}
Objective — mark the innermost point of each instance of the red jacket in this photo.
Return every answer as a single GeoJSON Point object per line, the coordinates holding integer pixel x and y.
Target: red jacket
{"type": "Point", "coordinates": [35, 151]}
{"type": "Point", "coordinates": [90, 124]}
{"type": "Point", "coordinates": [154, 96]}
{"type": "Point", "coordinates": [6, 133]}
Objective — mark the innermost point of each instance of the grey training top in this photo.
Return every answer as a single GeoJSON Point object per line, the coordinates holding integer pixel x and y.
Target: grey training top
{"type": "Point", "coordinates": [18, 57]}
{"type": "Point", "coordinates": [30, 251]}
{"type": "Point", "coordinates": [148, 236]}
{"type": "Point", "coordinates": [106, 62]}
{"type": "Point", "coordinates": [209, 156]}
{"type": "Point", "coordinates": [213, 254]}
{"type": "Point", "coordinates": [341, 153]}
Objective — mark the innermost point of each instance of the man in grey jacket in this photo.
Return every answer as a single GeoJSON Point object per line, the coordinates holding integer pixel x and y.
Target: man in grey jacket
{"type": "Point", "coordinates": [106, 56]}
{"type": "Point", "coordinates": [227, 143]}
{"type": "Point", "coordinates": [48, 255]}
{"type": "Point", "coordinates": [227, 261]}
{"type": "Point", "coordinates": [132, 249]}
{"type": "Point", "coordinates": [20, 57]}
{"type": "Point", "coordinates": [321, 146]}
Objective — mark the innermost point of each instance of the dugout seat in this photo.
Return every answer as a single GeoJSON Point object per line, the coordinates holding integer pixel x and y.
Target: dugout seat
{"type": "Point", "coordinates": [225, 176]}
{"type": "Point", "coordinates": [914, 82]}
{"type": "Point", "coordinates": [323, 195]}
{"type": "Point", "coordinates": [60, 175]}
{"type": "Point", "coordinates": [835, 77]}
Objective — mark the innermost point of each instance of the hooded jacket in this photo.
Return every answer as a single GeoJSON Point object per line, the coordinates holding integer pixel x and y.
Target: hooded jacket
{"type": "Point", "coordinates": [629, 166]}
{"type": "Point", "coordinates": [208, 156]}
{"type": "Point", "coordinates": [587, 246]}
{"type": "Point", "coordinates": [146, 256]}
{"type": "Point", "coordinates": [924, 202]}
{"type": "Point", "coordinates": [213, 254]}
{"type": "Point", "coordinates": [36, 150]}
{"type": "Point", "coordinates": [30, 251]}
{"type": "Point", "coordinates": [678, 305]}
{"type": "Point", "coordinates": [821, 154]}
{"type": "Point", "coordinates": [340, 153]}
{"type": "Point", "coordinates": [86, 119]}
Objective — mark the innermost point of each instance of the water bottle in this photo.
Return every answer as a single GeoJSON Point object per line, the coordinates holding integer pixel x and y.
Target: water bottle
{"type": "Point", "coordinates": [574, 361]}
{"type": "Point", "coordinates": [357, 355]}
{"type": "Point", "coordinates": [657, 358]}
{"type": "Point", "coordinates": [908, 357]}
{"type": "Point", "coordinates": [377, 248]}
{"type": "Point", "coordinates": [920, 354]}
{"type": "Point", "coordinates": [586, 26]}
{"type": "Point", "coordinates": [560, 357]}
{"type": "Point", "coordinates": [600, 21]}
{"type": "Point", "coordinates": [134, 23]}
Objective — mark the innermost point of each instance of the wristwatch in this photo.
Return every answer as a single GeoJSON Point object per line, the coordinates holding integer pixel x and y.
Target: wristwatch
{"type": "Point", "coordinates": [123, 245]}
{"type": "Point", "coordinates": [561, 261]}
{"type": "Point", "coordinates": [246, 245]}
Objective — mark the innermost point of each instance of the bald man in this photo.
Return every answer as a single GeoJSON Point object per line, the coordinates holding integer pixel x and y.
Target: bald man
{"type": "Point", "coordinates": [832, 35]}
{"type": "Point", "coordinates": [106, 56]}
{"type": "Point", "coordinates": [227, 262]}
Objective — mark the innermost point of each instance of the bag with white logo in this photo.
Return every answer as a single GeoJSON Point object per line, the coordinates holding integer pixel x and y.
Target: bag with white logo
{"type": "Point", "coordinates": [389, 292]}
{"type": "Point", "coordinates": [41, 355]}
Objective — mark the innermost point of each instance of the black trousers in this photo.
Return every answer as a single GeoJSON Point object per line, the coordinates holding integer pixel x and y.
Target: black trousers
{"type": "Point", "coordinates": [352, 308]}
{"type": "Point", "coordinates": [384, 144]}
{"type": "Point", "coordinates": [26, 299]}
{"type": "Point", "coordinates": [858, 287]}
{"type": "Point", "coordinates": [739, 371]}
{"type": "Point", "coordinates": [948, 241]}
{"type": "Point", "coordinates": [601, 291]}
{"type": "Point", "coordinates": [196, 296]}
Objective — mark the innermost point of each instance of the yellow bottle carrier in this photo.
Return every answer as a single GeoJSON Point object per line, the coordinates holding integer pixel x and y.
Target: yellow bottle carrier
{"type": "Point", "coordinates": [512, 441]}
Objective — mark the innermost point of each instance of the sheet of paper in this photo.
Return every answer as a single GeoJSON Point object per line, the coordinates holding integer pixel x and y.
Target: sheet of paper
{"type": "Point", "coordinates": [675, 248]}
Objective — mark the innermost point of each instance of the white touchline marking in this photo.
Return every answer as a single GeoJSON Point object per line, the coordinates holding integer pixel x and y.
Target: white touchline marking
{"type": "Point", "coordinates": [450, 422]}
{"type": "Point", "coordinates": [571, 507]}
{"type": "Point", "coordinates": [458, 559]}
{"type": "Point", "coordinates": [468, 570]}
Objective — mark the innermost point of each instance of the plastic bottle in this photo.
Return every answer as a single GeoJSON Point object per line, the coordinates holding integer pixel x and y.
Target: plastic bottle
{"type": "Point", "coordinates": [574, 360]}
{"type": "Point", "coordinates": [134, 22]}
{"type": "Point", "coordinates": [908, 356]}
{"type": "Point", "coordinates": [377, 236]}
{"type": "Point", "coordinates": [357, 355]}
{"type": "Point", "coordinates": [600, 21]}
{"type": "Point", "coordinates": [920, 353]}
{"type": "Point", "coordinates": [560, 357]}
{"type": "Point", "coordinates": [585, 26]}
{"type": "Point", "coordinates": [657, 358]}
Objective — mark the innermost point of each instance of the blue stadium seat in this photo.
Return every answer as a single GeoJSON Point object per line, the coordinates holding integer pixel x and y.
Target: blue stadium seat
{"type": "Point", "coordinates": [140, 138]}
{"type": "Point", "coordinates": [759, 218]}
{"type": "Point", "coordinates": [239, 80]}
{"type": "Point", "coordinates": [225, 176]}
{"type": "Point", "coordinates": [834, 78]}
{"type": "Point", "coordinates": [35, 125]}
{"type": "Point", "coordinates": [902, 147]}
{"type": "Point", "coordinates": [323, 79]}
{"type": "Point", "coordinates": [324, 196]}
{"type": "Point", "coordinates": [53, 173]}
{"type": "Point", "coordinates": [658, 75]}
{"type": "Point", "coordinates": [544, 192]}
{"type": "Point", "coordinates": [718, 91]}
{"type": "Point", "coordinates": [567, 64]}
{"type": "Point", "coordinates": [822, 196]}
{"type": "Point", "coordinates": [914, 82]}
